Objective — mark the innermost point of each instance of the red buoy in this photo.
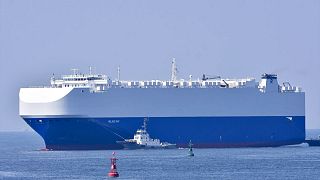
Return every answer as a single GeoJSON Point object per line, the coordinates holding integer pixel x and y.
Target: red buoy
{"type": "Point", "coordinates": [113, 170]}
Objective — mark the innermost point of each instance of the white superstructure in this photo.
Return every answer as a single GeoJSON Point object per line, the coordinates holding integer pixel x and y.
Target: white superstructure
{"type": "Point", "coordinates": [100, 83]}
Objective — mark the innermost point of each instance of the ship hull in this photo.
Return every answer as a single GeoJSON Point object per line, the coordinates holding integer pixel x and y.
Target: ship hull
{"type": "Point", "coordinates": [94, 133]}
{"type": "Point", "coordinates": [78, 119]}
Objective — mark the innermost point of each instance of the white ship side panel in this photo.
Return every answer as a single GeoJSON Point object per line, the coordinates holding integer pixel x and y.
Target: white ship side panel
{"type": "Point", "coordinates": [165, 102]}
{"type": "Point", "coordinates": [43, 101]}
{"type": "Point", "coordinates": [42, 95]}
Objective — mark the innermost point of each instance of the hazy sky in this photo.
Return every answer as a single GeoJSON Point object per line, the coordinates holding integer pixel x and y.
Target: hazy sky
{"type": "Point", "coordinates": [231, 38]}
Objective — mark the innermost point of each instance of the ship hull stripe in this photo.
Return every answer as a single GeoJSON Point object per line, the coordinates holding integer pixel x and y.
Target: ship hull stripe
{"type": "Point", "coordinates": [90, 133]}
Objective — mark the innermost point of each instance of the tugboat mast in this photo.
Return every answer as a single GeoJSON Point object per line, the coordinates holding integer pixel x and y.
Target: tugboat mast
{"type": "Point", "coordinates": [145, 120]}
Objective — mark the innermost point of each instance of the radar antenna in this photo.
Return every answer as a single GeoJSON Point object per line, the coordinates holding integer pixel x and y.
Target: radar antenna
{"type": "Point", "coordinates": [75, 71]}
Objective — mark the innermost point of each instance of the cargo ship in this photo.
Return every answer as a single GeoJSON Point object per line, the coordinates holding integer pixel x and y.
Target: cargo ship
{"type": "Point", "coordinates": [93, 111]}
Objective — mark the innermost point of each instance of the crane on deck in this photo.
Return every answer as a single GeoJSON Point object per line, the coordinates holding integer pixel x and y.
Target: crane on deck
{"type": "Point", "coordinates": [207, 77]}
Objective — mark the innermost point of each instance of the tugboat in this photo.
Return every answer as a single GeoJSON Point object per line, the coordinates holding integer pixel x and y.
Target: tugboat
{"type": "Point", "coordinates": [142, 140]}
{"type": "Point", "coordinates": [190, 149]}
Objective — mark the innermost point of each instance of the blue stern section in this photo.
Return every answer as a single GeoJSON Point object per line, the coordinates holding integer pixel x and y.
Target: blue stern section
{"type": "Point", "coordinates": [83, 133]}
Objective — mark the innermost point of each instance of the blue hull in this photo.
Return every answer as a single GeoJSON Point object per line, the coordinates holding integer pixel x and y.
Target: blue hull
{"type": "Point", "coordinates": [78, 133]}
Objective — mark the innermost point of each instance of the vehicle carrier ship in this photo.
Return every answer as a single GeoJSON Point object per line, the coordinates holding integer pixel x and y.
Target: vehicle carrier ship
{"type": "Point", "coordinates": [92, 111]}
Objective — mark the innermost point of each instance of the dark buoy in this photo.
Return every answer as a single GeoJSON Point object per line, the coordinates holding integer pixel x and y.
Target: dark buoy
{"type": "Point", "coordinates": [113, 170]}
{"type": "Point", "coordinates": [190, 149]}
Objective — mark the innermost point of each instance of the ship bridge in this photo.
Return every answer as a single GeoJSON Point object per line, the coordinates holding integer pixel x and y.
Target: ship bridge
{"type": "Point", "coordinates": [79, 80]}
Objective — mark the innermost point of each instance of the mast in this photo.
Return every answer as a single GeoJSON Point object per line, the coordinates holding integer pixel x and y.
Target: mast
{"type": "Point", "coordinates": [118, 73]}
{"type": "Point", "coordinates": [174, 70]}
{"type": "Point", "coordinates": [53, 80]}
{"type": "Point", "coordinates": [145, 123]}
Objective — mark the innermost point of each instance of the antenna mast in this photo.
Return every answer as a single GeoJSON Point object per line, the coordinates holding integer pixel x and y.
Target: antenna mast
{"type": "Point", "coordinates": [118, 73]}
{"type": "Point", "coordinates": [145, 123]}
{"type": "Point", "coordinates": [90, 70]}
{"type": "Point", "coordinates": [174, 70]}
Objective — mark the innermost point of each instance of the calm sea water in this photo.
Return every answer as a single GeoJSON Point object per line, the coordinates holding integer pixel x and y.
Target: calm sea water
{"type": "Point", "coordinates": [20, 158]}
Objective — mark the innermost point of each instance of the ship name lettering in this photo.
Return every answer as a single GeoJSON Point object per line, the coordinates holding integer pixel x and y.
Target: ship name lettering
{"type": "Point", "coordinates": [113, 121]}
